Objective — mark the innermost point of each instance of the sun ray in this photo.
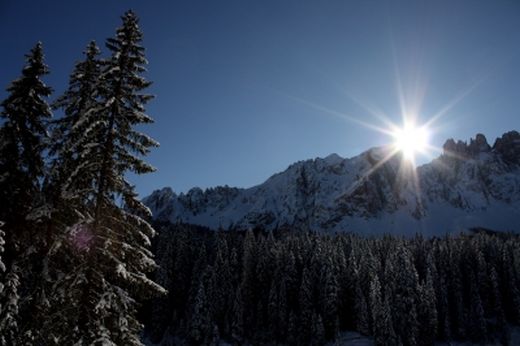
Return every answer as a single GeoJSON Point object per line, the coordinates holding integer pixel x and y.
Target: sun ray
{"type": "Point", "coordinates": [340, 115]}
{"type": "Point", "coordinates": [453, 102]}
{"type": "Point", "coordinates": [372, 169]}
{"type": "Point", "coordinates": [370, 109]}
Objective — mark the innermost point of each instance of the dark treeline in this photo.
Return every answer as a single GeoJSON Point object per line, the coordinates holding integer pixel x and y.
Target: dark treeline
{"type": "Point", "coordinates": [303, 289]}
{"type": "Point", "coordinates": [74, 244]}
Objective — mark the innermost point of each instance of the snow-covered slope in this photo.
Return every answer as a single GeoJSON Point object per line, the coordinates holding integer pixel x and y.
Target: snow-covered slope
{"type": "Point", "coordinates": [470, 185]}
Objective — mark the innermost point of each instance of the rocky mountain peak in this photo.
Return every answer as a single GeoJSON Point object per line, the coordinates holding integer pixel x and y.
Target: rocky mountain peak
{"type": "Point", "coordinates": [478, 145]}
{"type": "Point", "coordinates": [463, 150]}
{"type": "Point", "coordinates": [509, 147]}
{"type": "Point", "coordinates": [471, 185]}
{"type": "Point", "coordinates": [333, 159]}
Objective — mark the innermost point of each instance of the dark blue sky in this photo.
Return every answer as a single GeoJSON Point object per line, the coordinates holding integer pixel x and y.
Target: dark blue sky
{"type": "Point", "coordinates": [244, 88]}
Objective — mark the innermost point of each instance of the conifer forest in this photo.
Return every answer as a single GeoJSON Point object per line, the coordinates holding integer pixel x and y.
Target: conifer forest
{"type": "Point", "coordinates": [82, 262]}
{"type": "Point", "coordinates": [305, 288]}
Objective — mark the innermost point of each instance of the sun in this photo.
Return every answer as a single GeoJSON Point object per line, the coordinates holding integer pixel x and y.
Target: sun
{"type": "Point", "coordinates": [411, 140]}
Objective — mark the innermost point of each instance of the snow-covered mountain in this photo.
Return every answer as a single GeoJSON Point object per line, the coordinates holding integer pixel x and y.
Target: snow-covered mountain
{"type": "Point", "coordinates": [469, 185]}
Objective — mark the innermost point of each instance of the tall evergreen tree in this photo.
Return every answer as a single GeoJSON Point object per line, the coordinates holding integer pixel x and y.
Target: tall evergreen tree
{"type": "Point", "coordinates": [511, 280]}
{"type": "Point", "coordinates": [200, 327]}
{"type": "Point", "coordinates": [277, 308]}
{"type": "Point", "coordinates": [114, 240]}
{"type": "Point", "coordinates": [23, 141]}
{"type": "Point", "coordinates": [427, 311]}
{"type": "Point", "coordinates": [501, 324]}
{"type": "Point", "coordinates": [222, 300]}
{"type": "Point", "coordinates": [329, 301]}
{"type": "Point", "coordinates": [267, 260]}
{"type": "Point", "coordinates": [455, 292]}
{"type": "Point", "coordinates": [382, 328]}
{"type": "Point", "coordinates": [387, 323]}
{"type": "Point", "coordinates": [306, 307]}
{"type": "Point", "coordinates": [404, 298]}
{"type": "Point", "coordinates": [376, 304]}
{"type": "Point", "coordinates": [248, 284]}
{"type": "Point", "coordinates": [476, 321]}
{"type": "Point", "coordinates": [75, 133]}
{"type": "Point", "coordinates": [237, 322]}
{"type": "Point", "coordinates": [441, 290]}
{"type": "Point", "coordinates": [126, 234]}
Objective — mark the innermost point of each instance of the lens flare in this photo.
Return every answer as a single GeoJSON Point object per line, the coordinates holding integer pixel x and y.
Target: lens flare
{"type": "Point", "coordinates": [411, 140]}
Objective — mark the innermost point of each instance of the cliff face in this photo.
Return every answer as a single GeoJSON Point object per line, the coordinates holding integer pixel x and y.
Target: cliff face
{"type": "Point", "coordinates": [470, 185]}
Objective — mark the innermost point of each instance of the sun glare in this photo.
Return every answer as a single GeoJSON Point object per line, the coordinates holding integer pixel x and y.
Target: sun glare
{"type": "Point", "coordinates": [411, 140]}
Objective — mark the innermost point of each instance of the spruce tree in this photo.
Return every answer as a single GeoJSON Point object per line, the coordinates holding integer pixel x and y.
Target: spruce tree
{"type": "Point", "coordinates": [382, 328]}
{"type": "Point", "coordinates": [306, 307]}
{"type": "Point", "coordinates": [198, 268]}
{"type": "Point", "coordinates": [476, 322]}
{"type": "Point", "coordinates": [427, 311]}
{"type": "Point", "coordinates": [501, 324]}
{"type": "Point", "coordinates": [267, 260]}
{"type": "Point", "coordinates": [387, 322]}
{"type": "Point", "coordinates": [76, 131]}
{"type": "Point", "coordinates": [404, 294]}
{"type": "Point", "coordinates": [441, 289]}
{"type": "Point", "coordinates": [222, 301]}
{"type": "Point", "coordinates": [237, 322]}
{"type": "Point", "coordinates": [455, 293]}
{"type": "Point", "coordinates": [114, 237]}
{"type": "Point", "coordinates": [127, 233]}
{"type": "Point", "coordinates": [182, 268]}
{"type": "Point", "coordinates": [291, 278]}
{"type": "Point", "coordinates": [249, 281]}
{"type": "Point", "coordinates": [362, 315]}
{"type": "Point", "coordinates": [200, 327]}
{"type": "Point", "coordinates": [376, 309]}
{"type": "Point", "coordinates": [329, 301]}
{"type": "Point", "coordinates": [511, 279]}
{"type": "Point", "coordinates": [277, 309]}
{"type": "Point", "coordinates": [23, 141]}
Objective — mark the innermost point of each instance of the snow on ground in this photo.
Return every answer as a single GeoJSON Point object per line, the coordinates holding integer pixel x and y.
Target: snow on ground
{"type": "Point", "coordinates": [355, 339]}
{"type": "Point", "coordinates": [352, 338]}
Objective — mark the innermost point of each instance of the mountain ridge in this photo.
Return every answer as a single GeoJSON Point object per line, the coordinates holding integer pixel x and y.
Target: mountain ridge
{"type": "Point", "coordinates": [469, 185]}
